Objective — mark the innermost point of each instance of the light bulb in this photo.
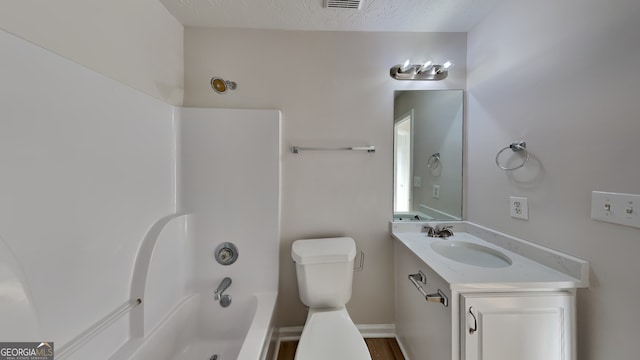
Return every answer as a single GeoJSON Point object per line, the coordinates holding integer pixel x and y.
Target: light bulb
{"type": "Point", "coordinates": [405, 66]}
{"type": "Point", "coordinates": [448, 65]}
{"type": "Point", "coordinates": [428, 64]}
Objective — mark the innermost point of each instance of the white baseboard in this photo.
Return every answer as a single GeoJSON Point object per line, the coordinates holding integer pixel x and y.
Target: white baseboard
{"type": "Point", "coordinates": [377, 330]}
{"type": "Point", "coordinates": [289, 333]}
{"type": "Point", "coordinates": [367, 330]}
{"type": "Point", "coordinates": [292, 333]}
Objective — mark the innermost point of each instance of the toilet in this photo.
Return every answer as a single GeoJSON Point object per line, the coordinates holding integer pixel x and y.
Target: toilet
{"type": "Point", "coordinates": [324, 268]}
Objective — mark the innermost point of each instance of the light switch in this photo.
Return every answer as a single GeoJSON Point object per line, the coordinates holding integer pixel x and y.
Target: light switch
{"type": "Point", "coordinates": [616, 208]}
{"type": "Point", "coordinates": [436, 192]}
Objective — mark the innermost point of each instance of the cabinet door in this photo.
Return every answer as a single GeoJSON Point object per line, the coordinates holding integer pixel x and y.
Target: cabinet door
{"type": "Point", "coordinates": [423, 328]}
{"type": "Point", "coordinates": [528, 326]}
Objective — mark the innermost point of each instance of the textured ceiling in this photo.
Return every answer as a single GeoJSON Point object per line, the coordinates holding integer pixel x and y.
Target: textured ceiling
{"type": "Point", "coordinates": [375, 15]}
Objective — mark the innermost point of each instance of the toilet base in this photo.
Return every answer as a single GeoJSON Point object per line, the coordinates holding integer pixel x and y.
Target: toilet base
{"type": "Point", "coordinates": [331, 334]}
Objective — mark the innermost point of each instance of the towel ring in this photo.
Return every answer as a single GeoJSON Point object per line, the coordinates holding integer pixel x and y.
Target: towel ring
{"type": "Point", "coordinates": [434, 161]}
{"type": "Point", "coordinates": [516, 147]}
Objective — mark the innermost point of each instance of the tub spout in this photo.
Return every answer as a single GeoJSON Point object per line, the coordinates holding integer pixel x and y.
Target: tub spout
{"type": "Point", "coordinates": [217, 293]}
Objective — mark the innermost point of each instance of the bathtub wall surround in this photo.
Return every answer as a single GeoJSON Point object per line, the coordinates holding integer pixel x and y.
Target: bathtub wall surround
{"type": "Point", "coordinates": [86, 173]}
{"type": "Point", "coordinates": [218, 193]}
{"type": "Point", "coordinates": [17, 302]}
{"type": "Point", "coordinates": [230, 182]}
{"type": "Point", "coordinates": [109, 176]}
{"type": "Point", "coordinates": [148, 57]}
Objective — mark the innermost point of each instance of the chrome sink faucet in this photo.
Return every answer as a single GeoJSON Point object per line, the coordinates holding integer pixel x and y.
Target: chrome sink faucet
{"type": "Point", "coordinates": [431, 232]}
{"type": "Point", "coordinates": [217, 293]}
{"type": "Point", "coordinates": [441, 231]}
{"type": "Point", "coordinates": [444, 230]}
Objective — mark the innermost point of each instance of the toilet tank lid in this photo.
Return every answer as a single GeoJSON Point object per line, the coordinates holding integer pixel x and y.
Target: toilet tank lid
{"type": "Point", "coordinates": [327, 250]}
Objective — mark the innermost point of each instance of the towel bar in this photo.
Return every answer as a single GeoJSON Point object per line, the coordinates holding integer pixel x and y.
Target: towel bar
{"type": "Point", "coordinates": [439, 296]}
{"type": "Point", "coordinates": [297, 149]}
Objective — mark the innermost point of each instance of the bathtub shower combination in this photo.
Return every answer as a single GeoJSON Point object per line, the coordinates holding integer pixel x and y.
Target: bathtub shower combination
{"type": "Point", "coordinates": [228, 320]}
{"type": "Point", "coordinates": [228, 311]}
{"type": "Point", "coordinates": [141, 215]}
{"type": "Point", "coordinates": [199, 329]}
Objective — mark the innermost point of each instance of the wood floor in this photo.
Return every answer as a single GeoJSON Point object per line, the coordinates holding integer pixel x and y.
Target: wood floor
{"type": "Point", "coordinates": [379, 348]}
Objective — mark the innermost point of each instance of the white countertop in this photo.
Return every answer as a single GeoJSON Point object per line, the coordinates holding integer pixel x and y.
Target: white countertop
{"type": "Point", "coordinates": [561, 271]}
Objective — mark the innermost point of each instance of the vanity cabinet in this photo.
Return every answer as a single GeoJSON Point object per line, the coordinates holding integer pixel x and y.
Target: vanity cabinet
{"type": "Point", "coordinates": [523, 326]}
{"type": "Point", "coordinates": [527, 325]}
{"type": "Point", "coordinates": [521, 311]}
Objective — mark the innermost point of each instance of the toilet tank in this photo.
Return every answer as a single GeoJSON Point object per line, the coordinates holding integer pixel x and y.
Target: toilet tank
{"type": "Point", "coordinates": [324, 269]}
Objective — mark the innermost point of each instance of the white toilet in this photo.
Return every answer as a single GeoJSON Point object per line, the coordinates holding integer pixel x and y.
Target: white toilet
{"type": "Point", "coordinates": [324, 268]}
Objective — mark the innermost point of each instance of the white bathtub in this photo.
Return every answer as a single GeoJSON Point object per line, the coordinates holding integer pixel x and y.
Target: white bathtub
{"type": "Point", "coordinates": [199, 327]}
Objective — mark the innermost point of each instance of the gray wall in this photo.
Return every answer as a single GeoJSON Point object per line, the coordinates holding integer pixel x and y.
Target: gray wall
{"type": "Point", "coordinates": [334, 89]}
{"type": "Point", "coordinates": [563, 75]}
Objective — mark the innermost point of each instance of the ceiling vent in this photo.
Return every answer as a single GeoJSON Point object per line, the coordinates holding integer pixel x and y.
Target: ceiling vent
{"type": "Point", "coordinates": [343, 4]}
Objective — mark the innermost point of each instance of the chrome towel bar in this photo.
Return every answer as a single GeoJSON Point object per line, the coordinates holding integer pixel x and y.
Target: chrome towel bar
{"type": "Point", "coordinates": [297, 149]}
{"type": "Point", "coordinates": [439, 296]}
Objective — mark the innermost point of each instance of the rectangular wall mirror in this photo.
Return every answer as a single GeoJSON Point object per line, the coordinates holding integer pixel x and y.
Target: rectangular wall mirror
{"type": "Point", "coordinates": [427, 155]}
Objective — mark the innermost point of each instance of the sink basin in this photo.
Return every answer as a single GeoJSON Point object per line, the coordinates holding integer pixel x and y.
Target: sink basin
{"type": "Point", "coordinates": [471, 254]}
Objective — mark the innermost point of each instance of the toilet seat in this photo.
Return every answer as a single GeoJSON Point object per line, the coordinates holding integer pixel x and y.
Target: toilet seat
{"type": "Point", "coordinates": [331, 334]}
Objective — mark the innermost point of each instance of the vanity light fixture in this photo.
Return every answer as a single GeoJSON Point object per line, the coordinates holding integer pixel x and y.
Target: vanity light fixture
{"type": "Point", "coordinates": [424, 71]}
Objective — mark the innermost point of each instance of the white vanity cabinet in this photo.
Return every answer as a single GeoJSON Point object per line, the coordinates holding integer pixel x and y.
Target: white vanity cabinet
{"type": "Point", "coordinates": [519, 308]}
{"type": "Point", "coordinates": [523, 326]}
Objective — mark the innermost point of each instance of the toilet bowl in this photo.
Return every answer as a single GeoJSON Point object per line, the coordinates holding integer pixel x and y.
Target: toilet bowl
{"type": "Point", "coordinates": [324, 269]}
{"type": "Point", "coordinates": [331, 335]}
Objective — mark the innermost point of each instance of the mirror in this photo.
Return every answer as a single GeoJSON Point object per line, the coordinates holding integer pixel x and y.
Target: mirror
{"type": "Point", "coordinates": [427, 155]}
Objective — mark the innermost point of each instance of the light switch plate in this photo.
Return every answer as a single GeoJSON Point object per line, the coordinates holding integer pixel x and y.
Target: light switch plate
{"type": "Point", "coordinates": [436, 191]}
{"type": "Point", "coordinates": [518, 208]}
{"type": "Point", "coordinates": [617, 208]}
{"type": "Point", "coordinates": [417, 181]}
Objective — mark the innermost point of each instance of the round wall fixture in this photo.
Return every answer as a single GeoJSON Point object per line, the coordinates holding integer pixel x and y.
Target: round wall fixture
{"type": "Point", "coordinates": [221, 86]}
{"type": "Point", "coordinates": [218, 85]}
{"type": "Point", "coordinates": [226, 253]}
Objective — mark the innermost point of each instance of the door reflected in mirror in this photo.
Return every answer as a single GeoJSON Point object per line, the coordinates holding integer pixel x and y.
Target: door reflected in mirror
{"type": "Point", "coordinates": [427, 155]}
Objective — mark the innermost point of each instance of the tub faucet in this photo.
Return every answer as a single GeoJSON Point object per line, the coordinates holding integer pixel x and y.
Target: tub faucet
{"type": "Point", "coordinates": [217, 293]}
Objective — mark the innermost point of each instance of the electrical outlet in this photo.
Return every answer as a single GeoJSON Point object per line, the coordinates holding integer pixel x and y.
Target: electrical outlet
{"type": "Point", "coordinates": [417, 181]}
{"type": "Point", "coordinates": [518, 208]}
{"type": "Point", "coordinates": [436, 191]}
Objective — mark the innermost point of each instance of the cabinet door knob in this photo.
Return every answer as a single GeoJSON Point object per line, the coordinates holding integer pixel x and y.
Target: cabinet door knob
{"type": "Point", "coordinates": [474, 328]}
